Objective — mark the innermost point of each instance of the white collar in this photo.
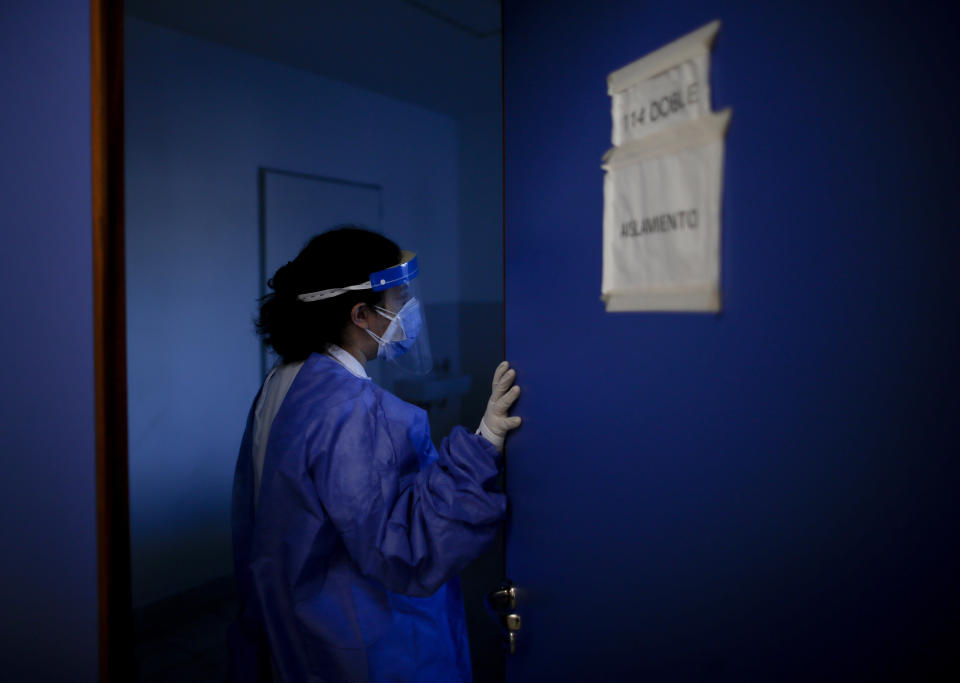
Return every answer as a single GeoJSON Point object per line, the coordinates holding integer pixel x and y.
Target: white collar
{"type": "Point", "coordinates": [347, 360]}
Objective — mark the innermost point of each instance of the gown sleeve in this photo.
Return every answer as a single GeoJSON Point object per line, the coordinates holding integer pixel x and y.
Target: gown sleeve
{"type": "Point", "coordinates": [410, 516]}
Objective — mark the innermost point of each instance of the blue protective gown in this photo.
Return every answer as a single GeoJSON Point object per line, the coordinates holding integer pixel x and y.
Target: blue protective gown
{"type": "Point", "coordinates": [346, 570]}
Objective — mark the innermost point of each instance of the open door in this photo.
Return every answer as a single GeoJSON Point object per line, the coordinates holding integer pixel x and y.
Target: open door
{"type": "Point", "coordinates": [766, 494]}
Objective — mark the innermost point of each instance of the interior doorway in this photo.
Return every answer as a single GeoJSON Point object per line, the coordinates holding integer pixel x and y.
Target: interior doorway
{"type": "Point", "coordinates": [240, 119]}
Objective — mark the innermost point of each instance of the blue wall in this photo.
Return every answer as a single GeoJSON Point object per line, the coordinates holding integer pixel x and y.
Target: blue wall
{"type": "Point", "coordinates": [771, 492]}
{"type": "Point", "coordinates": [48, 585]}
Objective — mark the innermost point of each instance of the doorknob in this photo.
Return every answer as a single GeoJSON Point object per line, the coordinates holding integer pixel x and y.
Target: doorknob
{"type": "Point", "coordinates": [501, 604]}
{"type": "Point", "coordinates": [504, 599]}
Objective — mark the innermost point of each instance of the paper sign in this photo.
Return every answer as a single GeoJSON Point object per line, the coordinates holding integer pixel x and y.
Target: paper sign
{"type": "Point", "coordinates": [677, 95]}
{"type": "Point", "coordinates": [669, 86]}
{"type": "Point", "coordinates": [663, 182]}
{"type": "Point", "coordinates": [661, 225]}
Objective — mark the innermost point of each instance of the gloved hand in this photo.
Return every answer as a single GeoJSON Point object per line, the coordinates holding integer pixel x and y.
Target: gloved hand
{"type": "Point", "coordinates": [496, 423]}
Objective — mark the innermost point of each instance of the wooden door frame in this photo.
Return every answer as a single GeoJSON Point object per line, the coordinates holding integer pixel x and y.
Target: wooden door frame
{"type": "Point", "coordinates": [110, 345]}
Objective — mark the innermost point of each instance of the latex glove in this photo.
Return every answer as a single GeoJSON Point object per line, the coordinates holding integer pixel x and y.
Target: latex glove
{"type": "Point", "coordinates": [496, 422]}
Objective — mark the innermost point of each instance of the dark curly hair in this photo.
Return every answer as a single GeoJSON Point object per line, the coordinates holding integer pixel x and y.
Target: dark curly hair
{"type": "Point", "coordinates": [338, 258]}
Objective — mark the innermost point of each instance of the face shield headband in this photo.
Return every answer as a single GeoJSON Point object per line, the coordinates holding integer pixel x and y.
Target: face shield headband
{"type": "Point", "coordinates": [400, 274]}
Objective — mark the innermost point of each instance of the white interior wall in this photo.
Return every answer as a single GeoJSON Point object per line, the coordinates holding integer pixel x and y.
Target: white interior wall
{"type": "Point", "coordinates": [481, 205]}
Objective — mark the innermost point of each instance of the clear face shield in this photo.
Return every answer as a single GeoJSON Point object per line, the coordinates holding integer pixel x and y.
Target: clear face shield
{"type": "Point", "coordinates": [404, 342]}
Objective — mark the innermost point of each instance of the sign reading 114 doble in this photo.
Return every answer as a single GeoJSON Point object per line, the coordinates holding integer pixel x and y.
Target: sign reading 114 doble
{"type": "Point", "coordinates": [663, 182]}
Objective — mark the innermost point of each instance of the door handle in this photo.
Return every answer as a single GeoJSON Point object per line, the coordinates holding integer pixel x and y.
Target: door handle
{"type": "Point", "coordinates": [501, 605]}
{"type": "Point", "coordinates": [502, 600]}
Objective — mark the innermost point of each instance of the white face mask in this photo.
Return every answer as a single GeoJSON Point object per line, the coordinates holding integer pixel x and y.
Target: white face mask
{"type": "Point", "coordinates": [402, 331]}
